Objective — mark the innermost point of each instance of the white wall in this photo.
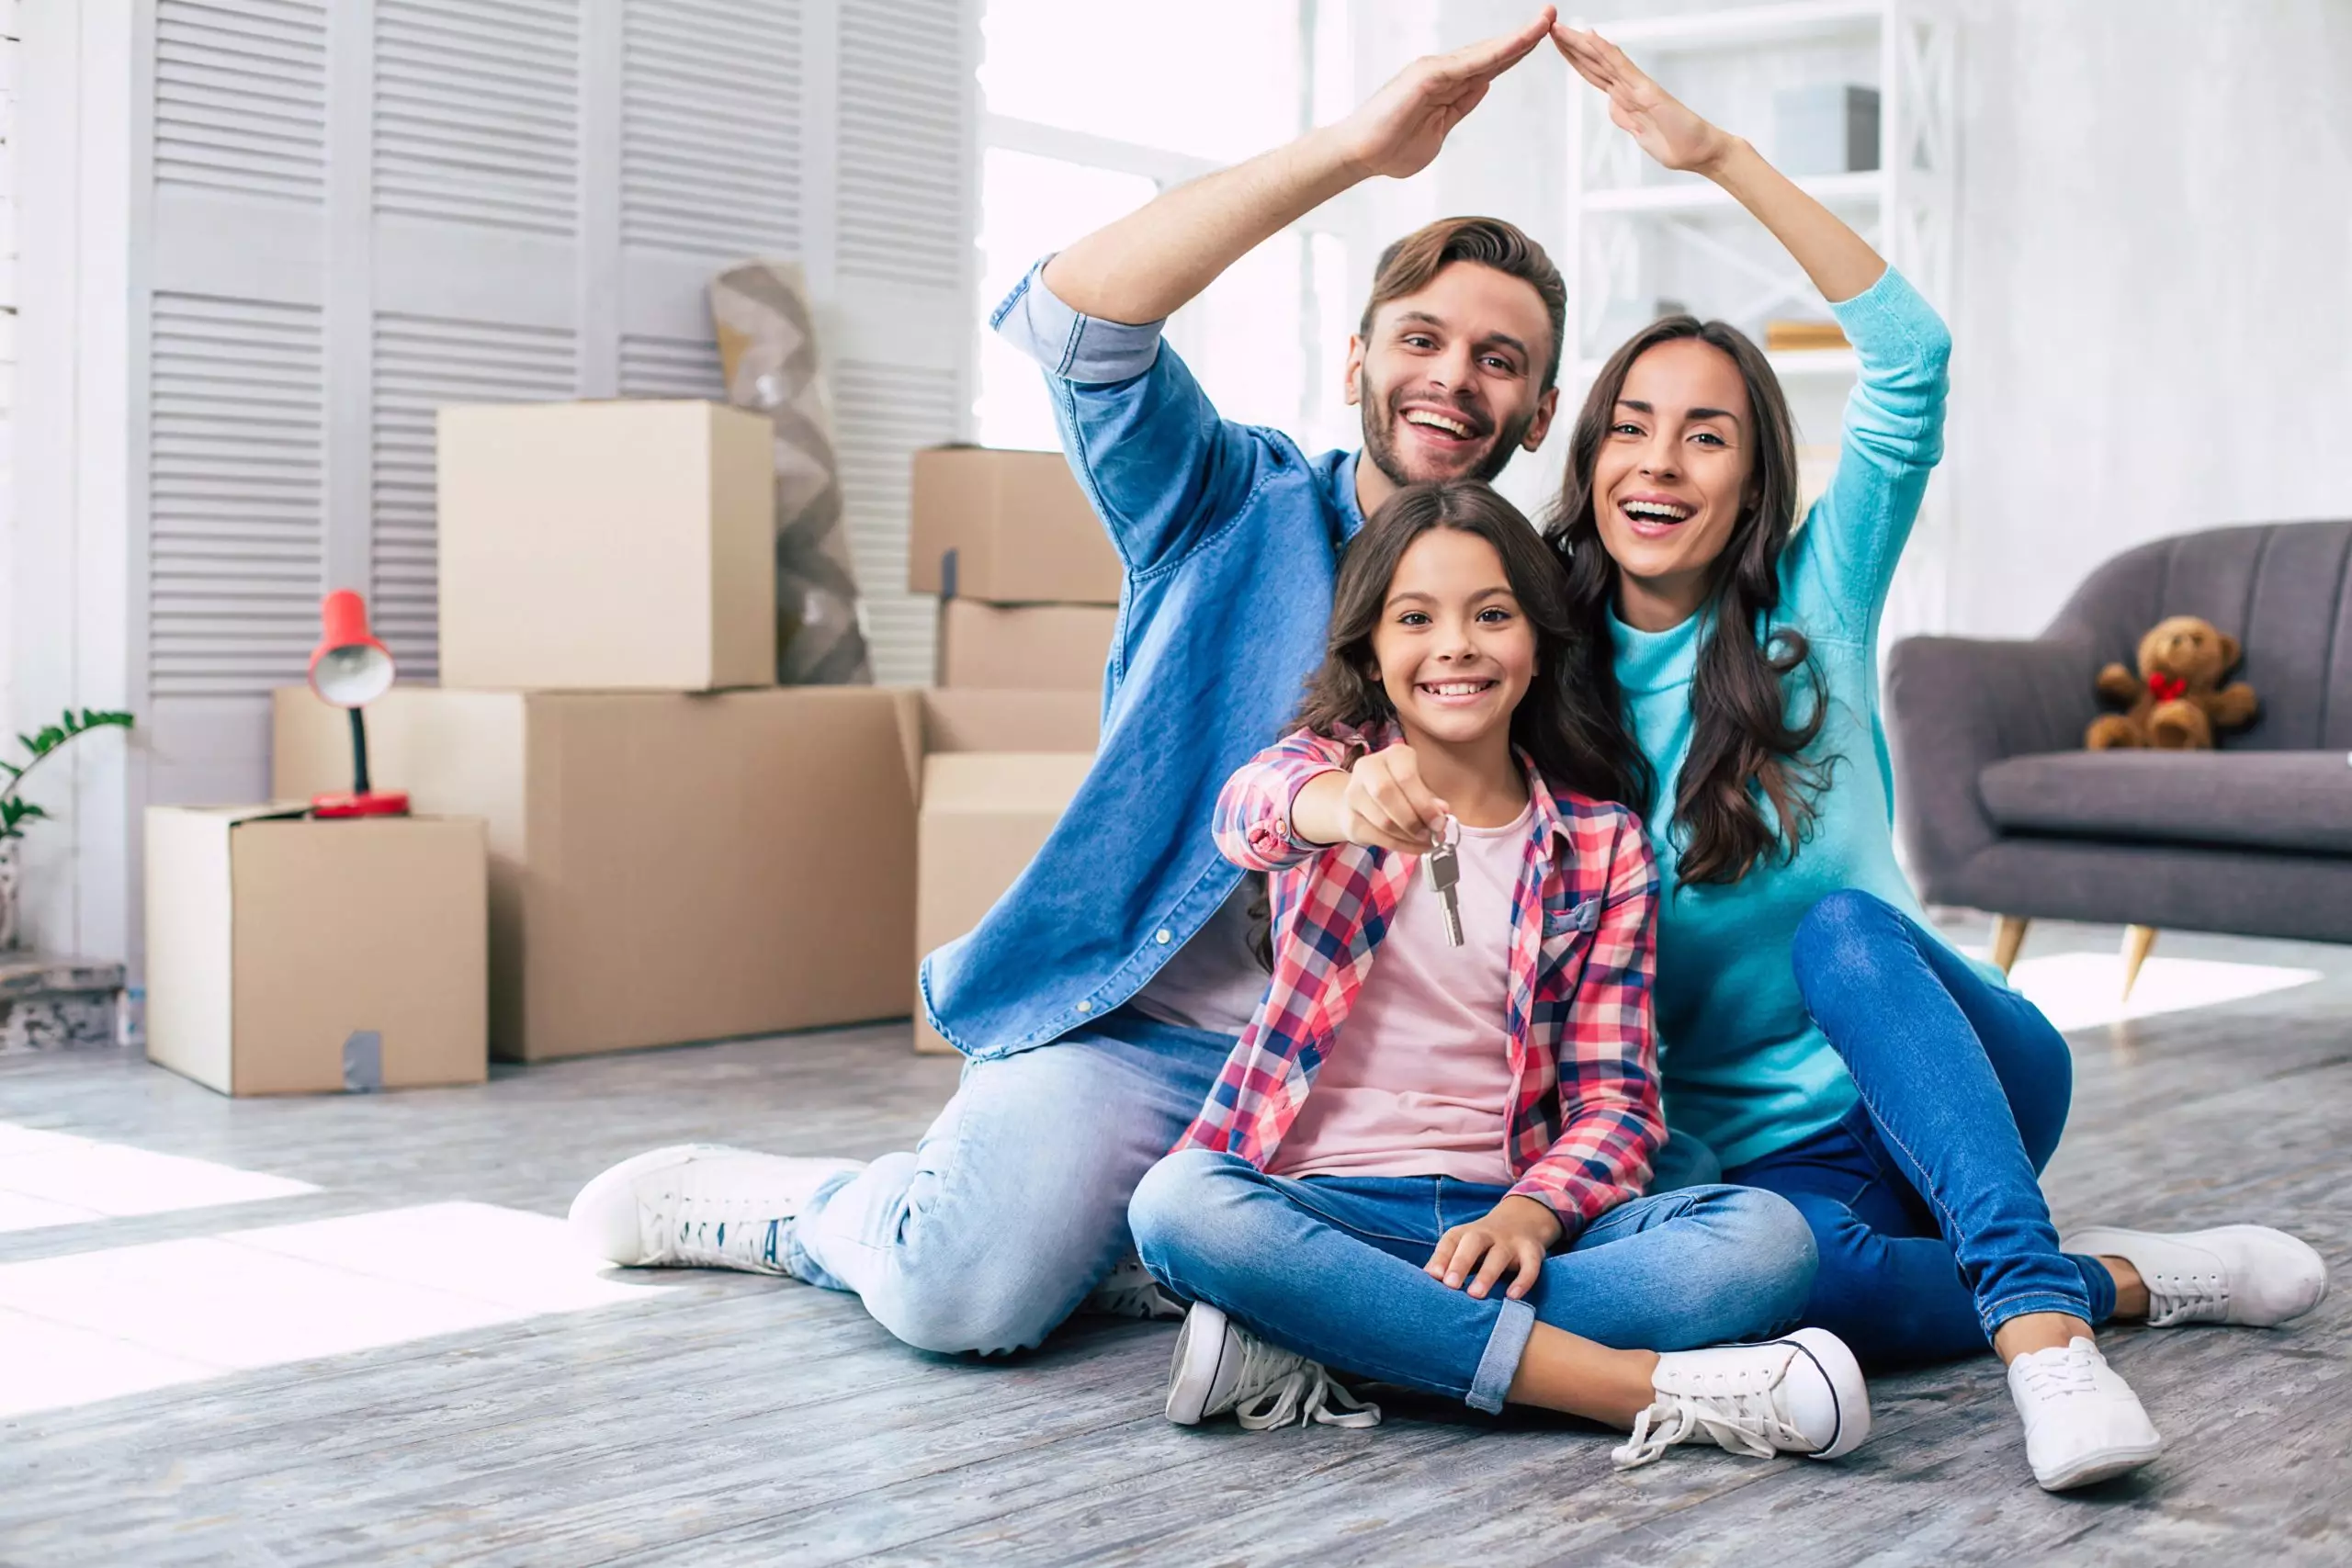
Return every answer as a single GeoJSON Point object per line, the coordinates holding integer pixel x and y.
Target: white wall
{"type": "Point", "coordinates": [8, 335]}
{"type": "Point", "coordinates": [2155, 277]}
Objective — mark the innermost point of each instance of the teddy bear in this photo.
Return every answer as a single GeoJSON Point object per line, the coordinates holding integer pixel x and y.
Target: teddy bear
{"type": "Point", "coordinates": [2177, 701]}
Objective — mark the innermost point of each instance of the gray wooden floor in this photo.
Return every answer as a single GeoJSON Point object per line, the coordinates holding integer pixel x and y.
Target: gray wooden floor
{"type": "Point", "coordinates": [730, 1419]}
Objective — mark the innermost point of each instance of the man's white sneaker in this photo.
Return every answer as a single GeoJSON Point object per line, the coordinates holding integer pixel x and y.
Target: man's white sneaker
{"type": "Point", "coordinates": [2243, 1274]}
{"type": "Point", "coordinates": [1129, 1290]}
{"type": "Point", "coordinates": [1803, 1394]}
{"type": "Point", "coordinates": [2082, 1423]}
{"type": "Point", "coordinates": [1220, 1367]}
{"type": "Point", "coordinates": [698, 1206]}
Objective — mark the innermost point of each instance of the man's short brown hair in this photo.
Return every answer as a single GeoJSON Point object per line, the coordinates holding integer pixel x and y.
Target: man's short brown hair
{"type": "Point", "coordinates": [1407, 266]}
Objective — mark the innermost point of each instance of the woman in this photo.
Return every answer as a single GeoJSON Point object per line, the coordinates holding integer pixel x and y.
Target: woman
{"type": "Point", "coordinates": [1827, 1043]}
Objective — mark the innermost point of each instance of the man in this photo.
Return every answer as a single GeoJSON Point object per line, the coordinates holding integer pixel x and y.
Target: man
{"type": "Point", "coordinates": [1101, 997]}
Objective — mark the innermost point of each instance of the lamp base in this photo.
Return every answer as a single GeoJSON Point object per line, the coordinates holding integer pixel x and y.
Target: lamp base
{"type": "Point", "coordinates": [367, 803]}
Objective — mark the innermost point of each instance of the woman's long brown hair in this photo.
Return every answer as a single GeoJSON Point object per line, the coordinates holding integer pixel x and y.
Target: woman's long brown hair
{"type": "Point", "coordinates": [1746, 757]}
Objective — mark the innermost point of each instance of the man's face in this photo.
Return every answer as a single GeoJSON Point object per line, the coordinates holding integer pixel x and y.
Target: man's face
{"type": "Point", "coordinates": [1451, 378]}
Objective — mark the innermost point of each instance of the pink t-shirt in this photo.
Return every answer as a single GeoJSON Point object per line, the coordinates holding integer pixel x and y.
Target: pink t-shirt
{"type": "Point", "coordinates": [1418, 1080]}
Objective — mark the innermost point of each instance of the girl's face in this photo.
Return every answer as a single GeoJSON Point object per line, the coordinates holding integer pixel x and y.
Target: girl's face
{"type": "Point", "coordinates": [1451, 649]}
{"type": "Point", "coordinates": [1672, 474]}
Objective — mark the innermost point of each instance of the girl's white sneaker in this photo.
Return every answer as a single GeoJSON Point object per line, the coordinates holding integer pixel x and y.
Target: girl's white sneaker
{"type": "Point", "coordinates": [1221, 1367]}
{"type": "Point", "coordinates": [1802, 1394]}
{"type": "Point", "coordinates": [2082, 1423]}
{"type": "Point", "coordinates": [699, 1206]}
{"type": "Point", "coordinates": [2243, 1274]}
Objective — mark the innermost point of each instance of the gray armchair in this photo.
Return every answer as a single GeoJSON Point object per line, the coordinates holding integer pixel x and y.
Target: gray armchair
{"type": "Point", "coordinates": [2001, 809]}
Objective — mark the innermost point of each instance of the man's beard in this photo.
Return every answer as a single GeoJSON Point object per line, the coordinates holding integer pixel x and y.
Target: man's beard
{"type": "Point", "coordinates": [1379, 438]}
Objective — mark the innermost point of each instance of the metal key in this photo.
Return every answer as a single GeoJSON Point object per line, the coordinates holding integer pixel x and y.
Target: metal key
{"type": "Point", "coordinates": [1442, 866]}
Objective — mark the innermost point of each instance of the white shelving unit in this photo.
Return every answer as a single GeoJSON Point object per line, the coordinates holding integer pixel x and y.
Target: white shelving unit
{"type": "Point", "coordinates": [1626, 219]}
{"type": "Point", "coordinates": [1619, 210]}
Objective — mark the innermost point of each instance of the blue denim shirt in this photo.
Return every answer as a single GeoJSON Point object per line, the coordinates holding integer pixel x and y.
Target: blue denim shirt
{"type": "Point", "coordinates": [1231, 539]}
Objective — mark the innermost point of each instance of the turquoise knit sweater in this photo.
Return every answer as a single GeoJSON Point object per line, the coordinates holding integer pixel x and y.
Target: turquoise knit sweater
{"type": "Point", "coordinates": [1745, 1069]}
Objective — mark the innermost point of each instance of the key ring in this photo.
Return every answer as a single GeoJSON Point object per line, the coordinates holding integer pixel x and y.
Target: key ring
{"type": "Point", "coordinates": [1445, 838]}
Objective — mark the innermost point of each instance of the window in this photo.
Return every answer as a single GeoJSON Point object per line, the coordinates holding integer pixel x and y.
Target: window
{"type": "Point", "coordinates": [1092, 109]}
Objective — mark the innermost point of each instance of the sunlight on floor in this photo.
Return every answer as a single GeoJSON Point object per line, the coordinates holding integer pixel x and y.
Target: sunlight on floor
{"type": "Point", "coordinates": [97, 1324]}
{"type": "Point", "coordinates": [2083, 990]}
{"type": "Point", "coordinates": [56, 1178]}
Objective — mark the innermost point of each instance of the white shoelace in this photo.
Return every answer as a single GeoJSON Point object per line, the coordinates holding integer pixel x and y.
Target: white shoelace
{"type": "Point", "coordinates": [1131, 1291]}
{"type": "Point", "coordinates": [2057, 1377]}
{"type": "Point", "coordinates": [1278, 1388]}
{"type": "Point", "coordinates": [1736, 1423]}
{"type": "Point", "coordinates": [2187, 1298]}
{"type": "Point", "coordinates": [706, 1234]}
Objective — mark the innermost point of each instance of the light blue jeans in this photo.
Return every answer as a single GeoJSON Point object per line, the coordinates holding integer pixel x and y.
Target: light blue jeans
{"type": "Point", "coordinates": [1330, 1267]}
{"type": "Point", "coordinates": [1014, 1205]}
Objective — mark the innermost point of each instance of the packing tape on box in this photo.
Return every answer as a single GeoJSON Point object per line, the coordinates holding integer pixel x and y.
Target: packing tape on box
{"type": "Point", "coordinates": [363, 1062]}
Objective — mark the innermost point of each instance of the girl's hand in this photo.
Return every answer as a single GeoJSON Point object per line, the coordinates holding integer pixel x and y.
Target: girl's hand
{"type": "Point", "coordinates": [1388, 806]}
{"type": "Point", "coordinates": [1640, 108]}
{"type": "Point", "coordinates": [1516, 1233]}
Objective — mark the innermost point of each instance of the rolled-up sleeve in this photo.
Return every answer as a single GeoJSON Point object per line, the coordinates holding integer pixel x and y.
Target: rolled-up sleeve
{"type": "Point", "coordinates": [1069, 346]}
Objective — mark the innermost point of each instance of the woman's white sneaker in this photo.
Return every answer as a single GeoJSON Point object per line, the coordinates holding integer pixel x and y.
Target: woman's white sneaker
{"type": "Point", "coordinates": [2243, 1274]}
{"type": "Point", "coordinates": [699, 1206]}
{"type": "Point", "coordinates": [1221, 1367]}
{"type": "Point", "coordinates": [2082, 1423]}
{"type": "Point", "coordinates": [1802, 1394]}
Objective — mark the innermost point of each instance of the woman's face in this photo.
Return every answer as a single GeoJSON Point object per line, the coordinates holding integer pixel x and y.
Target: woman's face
{"type": "Point", "coordinates": [1674, 471]}
{"type": "Point", "coordinates": [1454, 651]}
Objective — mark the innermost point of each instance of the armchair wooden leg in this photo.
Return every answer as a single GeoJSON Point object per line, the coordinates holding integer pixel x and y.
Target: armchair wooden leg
{"type": "Point", "coordinates": [2008, 935]}
{"type": "Point", "coordinates": [2137, 940]}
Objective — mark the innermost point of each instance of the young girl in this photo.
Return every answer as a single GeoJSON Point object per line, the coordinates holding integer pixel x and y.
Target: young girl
{"type": "Point", "coordinates": [1422, 1111]}
{"type": "Point", "coordinates": [1827, 1042]}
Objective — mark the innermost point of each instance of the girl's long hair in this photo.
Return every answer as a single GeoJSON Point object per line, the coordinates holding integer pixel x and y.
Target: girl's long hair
{"type": "Point", "coordinates": [1746, 756]}
{"type": "Point", "coordinates": [1572, 732]}
{"type": "Point", "coordinates": [1576, 740]}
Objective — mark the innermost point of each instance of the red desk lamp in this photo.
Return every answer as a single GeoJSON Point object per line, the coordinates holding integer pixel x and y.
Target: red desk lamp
{"type": "Point", "coordinates": [349, 668]}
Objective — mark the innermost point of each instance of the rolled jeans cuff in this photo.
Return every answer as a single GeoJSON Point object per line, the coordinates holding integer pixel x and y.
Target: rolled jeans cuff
{"type": "Point", "coordinates": [1490, 1384]}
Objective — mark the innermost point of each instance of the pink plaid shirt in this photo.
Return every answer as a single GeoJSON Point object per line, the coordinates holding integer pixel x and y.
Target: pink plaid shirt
{"type": "Point", "coordinates": [1584, 1116]}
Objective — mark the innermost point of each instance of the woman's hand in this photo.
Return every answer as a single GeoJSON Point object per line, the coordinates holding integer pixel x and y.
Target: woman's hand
{"type": "Point", "coordinates": [1399, 128]}
{"type": "Point", "coordinates": [1640, 108]}
{"type": "Point", "coordinates": [1381, 803]}
{"type": "Point", "coordinates": [1515, 1234]}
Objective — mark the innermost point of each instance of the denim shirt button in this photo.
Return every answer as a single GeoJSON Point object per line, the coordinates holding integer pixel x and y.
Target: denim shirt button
{"type": "Point", "coordinates": [1164, 938]}
{"type": "Point", "coordinates": [1086, 1007]}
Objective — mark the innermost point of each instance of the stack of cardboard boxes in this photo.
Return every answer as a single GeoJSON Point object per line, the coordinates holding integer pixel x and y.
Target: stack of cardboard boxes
{"type": "Point", "coordinates": [678, 850]}
{"type": "Point", "coordinates": [1029, 594]}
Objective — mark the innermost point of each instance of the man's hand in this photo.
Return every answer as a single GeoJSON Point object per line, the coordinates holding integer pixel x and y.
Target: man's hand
{"type": "Point", "coordinates": [1514, 1236]}
{"type": "Point", "coordinates": [1381, 803]}
{"type": "Point", "coordinates": [1399, 128]}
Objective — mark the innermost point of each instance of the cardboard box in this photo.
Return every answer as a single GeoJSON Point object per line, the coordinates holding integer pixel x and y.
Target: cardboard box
{"type": "Point", "coordinates": [1036, 647]}
{"type": "Point", "coordinates": [977, 719]}
{"type": "Point", "coordinates": [984, 816]}
{"type": "Point", "coordinates": [1007, 527]}
{"type": "Point", "coordinates": [662, 868]}
{"type": "Point", "coordinates": [287, 955]}
{"type": "Point", "coordinates": [616, 545]}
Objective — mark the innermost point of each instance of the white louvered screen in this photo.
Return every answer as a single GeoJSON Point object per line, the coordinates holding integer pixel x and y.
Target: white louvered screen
{"type": "Point", "coordinates": [364, 209]}
{"type": "Point", "coordinates": [882, 414]}
{"type": "Point", "coordinates": [235, 465]}
{"type": "Point", "coordinates": [420, 364]}
{"type": "Point", "coordinates": [477, 114]}
{"type": "Point", "coordinates": [241, 96]}
{"type": "Point", "coordinates": [710, 126]}
{"type": "Point", "coordinates": [905, 153]}
{"type": "Point", "coordinates": [655, 366]}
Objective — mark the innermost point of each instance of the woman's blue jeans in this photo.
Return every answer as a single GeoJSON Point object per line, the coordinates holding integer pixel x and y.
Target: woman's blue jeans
{"type": "Point", "coordinates": [1330, 1267]}
{"type": "Point", "coordinates": [1924, 1200]}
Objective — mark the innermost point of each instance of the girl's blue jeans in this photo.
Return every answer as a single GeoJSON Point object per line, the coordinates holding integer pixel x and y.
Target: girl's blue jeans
{"type": "Point", "coordinates": [1924, 1200]}
{"type": "Point", "coordinates": [1330, 1267]}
